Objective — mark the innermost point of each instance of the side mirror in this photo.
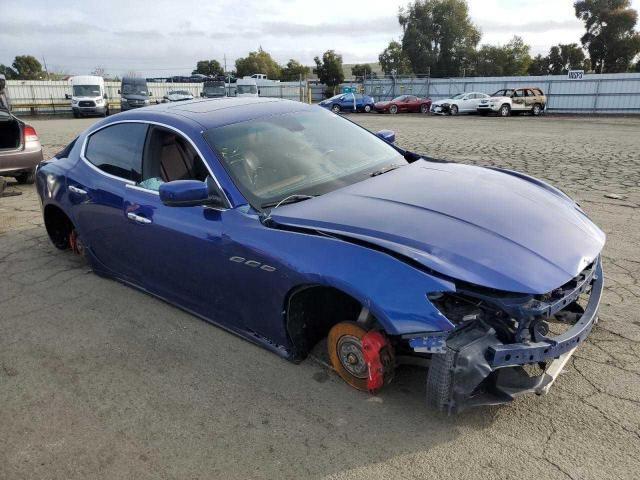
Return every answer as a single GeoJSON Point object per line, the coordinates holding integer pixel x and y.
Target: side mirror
{"type": "Point", "coordinates": [150, 94]}
{"type": "Point", "coordinates": [202, 94]}
{"type": "Point", "coordinates": [119, 92]}
{"type": "Point", "coordinates": [387, 135]}
{"type": "Point", "coordinates": [67, 96]}
{"type": "Point", "coordinates": [104, 96]}
{"type": "Point", "coordinates": [190, 193]}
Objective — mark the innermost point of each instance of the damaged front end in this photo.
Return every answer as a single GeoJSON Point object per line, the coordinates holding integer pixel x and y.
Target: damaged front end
{"type": "Point", "coordinates": [506, 344]}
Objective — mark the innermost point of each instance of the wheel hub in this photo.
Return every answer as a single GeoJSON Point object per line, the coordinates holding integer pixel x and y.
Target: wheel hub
{"type": "Point", "coordinates": [351, 357]}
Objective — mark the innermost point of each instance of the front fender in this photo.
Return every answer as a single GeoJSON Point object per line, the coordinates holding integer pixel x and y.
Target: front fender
{"type": "Point", "coordinates": [394, 291]}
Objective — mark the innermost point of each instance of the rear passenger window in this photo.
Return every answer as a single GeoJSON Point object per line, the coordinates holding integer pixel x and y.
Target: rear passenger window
{"type": "Point", "coordinates": [117, 150]}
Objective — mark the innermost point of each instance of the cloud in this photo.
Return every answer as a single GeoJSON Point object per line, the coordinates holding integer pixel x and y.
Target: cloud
{"type": "Point", "coordinates": [539, 26]}
{"type": "Point", "coordinates": [382, 26]}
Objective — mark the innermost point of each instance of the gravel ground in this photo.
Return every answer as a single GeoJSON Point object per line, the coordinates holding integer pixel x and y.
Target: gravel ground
{"type": "Point", "coordinates": [98, 380]}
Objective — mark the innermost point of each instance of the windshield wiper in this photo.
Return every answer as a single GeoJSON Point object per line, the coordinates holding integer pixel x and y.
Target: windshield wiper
{"type": "Point", "coordinates": [385, 170]}
{"type": "Point", "coordinates": [286, 200]}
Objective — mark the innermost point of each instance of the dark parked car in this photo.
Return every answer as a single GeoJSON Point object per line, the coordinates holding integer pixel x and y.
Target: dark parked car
{"type": "Point", "coordinates": [349, 102]}
{"type": "Point", "coordinates": [134, 93]}
{"type": "Point", "coordinates": [20, 149]}
{"type": "Point", "coordinates": [286, 224]}
{"type": "Point", "coordinates": [404, 103]}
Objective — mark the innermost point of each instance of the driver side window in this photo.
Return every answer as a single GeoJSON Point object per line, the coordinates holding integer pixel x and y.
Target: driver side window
{"type": "Point", "coordinates": [167, 157]}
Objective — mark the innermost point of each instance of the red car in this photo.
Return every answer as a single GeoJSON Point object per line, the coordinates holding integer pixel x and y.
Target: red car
{"type": "Point", "coordinates": [404, 103]}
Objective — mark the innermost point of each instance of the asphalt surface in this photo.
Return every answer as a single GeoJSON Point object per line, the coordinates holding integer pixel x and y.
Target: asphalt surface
{"type": "Point", "coordinates": [98, 380]}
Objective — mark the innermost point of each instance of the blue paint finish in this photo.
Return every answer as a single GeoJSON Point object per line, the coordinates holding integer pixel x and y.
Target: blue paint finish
{"type": "Point", "coordinates": [448, 221]}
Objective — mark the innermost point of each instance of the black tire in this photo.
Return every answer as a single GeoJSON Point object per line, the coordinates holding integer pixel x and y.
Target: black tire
{"type": "Point", "coordinates": [367, 108]}
{"type": "Point", "coordinates": [335, 109]}
{"type": "Point", "coordinates": [107, 112]}
{"type": "Point", "coordinates": [76, 115]}
{"type": "Point", "coordinates": [505, 110]}
{"type": "Point", "coordinates": [439, 381]}
{"type": "Point", "coordinates": [453, 110]}
{"type": "Point", "coordinates": [393, 109]}
{"type": "Point", "coordinates": [26, 178]}
{"type": "Point", "coordinates": [424, 108]}
{"type": "Point", "coordinates": [536, 110]}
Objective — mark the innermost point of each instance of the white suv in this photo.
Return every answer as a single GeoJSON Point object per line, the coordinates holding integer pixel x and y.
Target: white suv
{"type": "Point", "coordinates": [510, 100]}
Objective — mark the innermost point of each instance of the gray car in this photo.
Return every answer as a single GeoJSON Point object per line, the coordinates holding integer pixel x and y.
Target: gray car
{"type": "Point", "coordinates": [20, 149]}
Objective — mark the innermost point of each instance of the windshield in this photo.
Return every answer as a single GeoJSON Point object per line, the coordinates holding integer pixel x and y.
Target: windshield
{"type": "Point", "coordinates": [179, 92]}
{"type": "Point", "coordinates": [247, 89]}
{"type": "Point", "coordinates": [401, 98]}
{"type": "Point", "coordinates": [138, 88]}
{"type": "Point", "coordinates": [86, 90]}
{"type": "Point", "coordinates": [458, 97]}
{"type": "Point", "coordinates": [300, 153]}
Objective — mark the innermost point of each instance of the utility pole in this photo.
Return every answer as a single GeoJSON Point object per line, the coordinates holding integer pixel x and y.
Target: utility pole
{"type": "Point", "coordinates": [44, 62]}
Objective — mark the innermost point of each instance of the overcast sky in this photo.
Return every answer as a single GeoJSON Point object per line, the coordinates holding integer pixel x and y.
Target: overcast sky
{"type": "Point", "coordinates": [160, 37]}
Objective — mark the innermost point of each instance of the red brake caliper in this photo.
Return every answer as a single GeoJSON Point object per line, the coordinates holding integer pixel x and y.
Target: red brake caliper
{"type": "Point", "coordinates": [73, 241]}
{"type": "Point", "coordinates": [378, 356]}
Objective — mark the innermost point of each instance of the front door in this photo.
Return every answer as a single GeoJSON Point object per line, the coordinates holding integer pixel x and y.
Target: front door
{"type": "Point", "coordinates": [180, 252]}
{"type": "Point", "coordinates": [518, 100]}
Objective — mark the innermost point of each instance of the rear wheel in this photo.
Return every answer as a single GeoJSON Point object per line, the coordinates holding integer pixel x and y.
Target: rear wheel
{"type": "Point", "coordinates": [393, 109]}
{"type": "Point", "coordinates": [335, 109]}
{"type": "Point", "coordinates": [367, 108]}
{"type": "Point", "coordinates": [26, 177]}
{"type": "Point", "coordinates": [424, 108]}
{"type": "Point", "coordinates": [453, 110]}
{"type": "Point", "coordinates": [505, 110]}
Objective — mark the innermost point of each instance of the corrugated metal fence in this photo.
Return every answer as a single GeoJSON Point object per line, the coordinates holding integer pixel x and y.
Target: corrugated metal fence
{"type": "Point", "coordinates": [608, 93]}
{"type": "Point", "coordinates": [35, 96]}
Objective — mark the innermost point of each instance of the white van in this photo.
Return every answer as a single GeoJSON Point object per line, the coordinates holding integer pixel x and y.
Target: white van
{"type": "Point", "coordinates": [246, 87]}
{"type": "Point", "coordinates": [88, 96]}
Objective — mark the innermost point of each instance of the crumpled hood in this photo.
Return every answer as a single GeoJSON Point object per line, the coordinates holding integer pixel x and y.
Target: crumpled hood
{"type": "Point", "coordinates": [475, 224]}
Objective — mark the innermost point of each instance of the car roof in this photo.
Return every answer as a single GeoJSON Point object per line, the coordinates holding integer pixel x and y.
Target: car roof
{"type": "Point", "coordinates": [216, 112]}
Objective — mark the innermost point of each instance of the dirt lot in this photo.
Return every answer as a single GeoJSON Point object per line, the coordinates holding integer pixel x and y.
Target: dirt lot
{"type": "Point", "coordinates": [98, 380]}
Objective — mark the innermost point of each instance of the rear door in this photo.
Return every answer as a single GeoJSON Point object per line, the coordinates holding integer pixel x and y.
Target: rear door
{"type": "Point", "coordinates": [111, 159]}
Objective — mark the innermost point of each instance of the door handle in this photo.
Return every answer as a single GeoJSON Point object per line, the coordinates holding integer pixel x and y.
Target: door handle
{"type": "Point", "coordinates": [138, 218]}
{"type": "Point", "coordinates": [77, 190]}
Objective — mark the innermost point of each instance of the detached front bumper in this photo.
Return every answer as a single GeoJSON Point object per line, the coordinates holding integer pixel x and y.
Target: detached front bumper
{"type": "Point", "coordinates": [485, 371]}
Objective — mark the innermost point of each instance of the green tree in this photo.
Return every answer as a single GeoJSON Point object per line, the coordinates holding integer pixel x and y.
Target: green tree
{"type": "Point", "coordinates": [393, 59]}
{"type": "Point", "coordinates": [211, 68]}
{"type": "Point", "coordinates": [503, 60]}
{"type": "Point", "coordinates": [439, 36]}
{"type": "Point", "coordinates": [294, 71]}
{"type": "Point", "coordinates": [539, 65]}
{"type": "Point", "coordinates": [610, 39]}
{"type": "Point", "coordinates": [8, 72]}
{"type": "Point", "coordinates": [565, 57]}
{"type": "Point", "coordinates": [329, 69]}
{"type": "Point", "coordinates": [258, 62]}
{"type": "Point", "coordinates": [361, 69]}
{"type": "Point", "coordinates": [27, 67]}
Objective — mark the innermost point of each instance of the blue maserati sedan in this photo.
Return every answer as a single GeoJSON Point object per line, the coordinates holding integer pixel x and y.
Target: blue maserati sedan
{"type": "Point", "coordinates": [287, 224]}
